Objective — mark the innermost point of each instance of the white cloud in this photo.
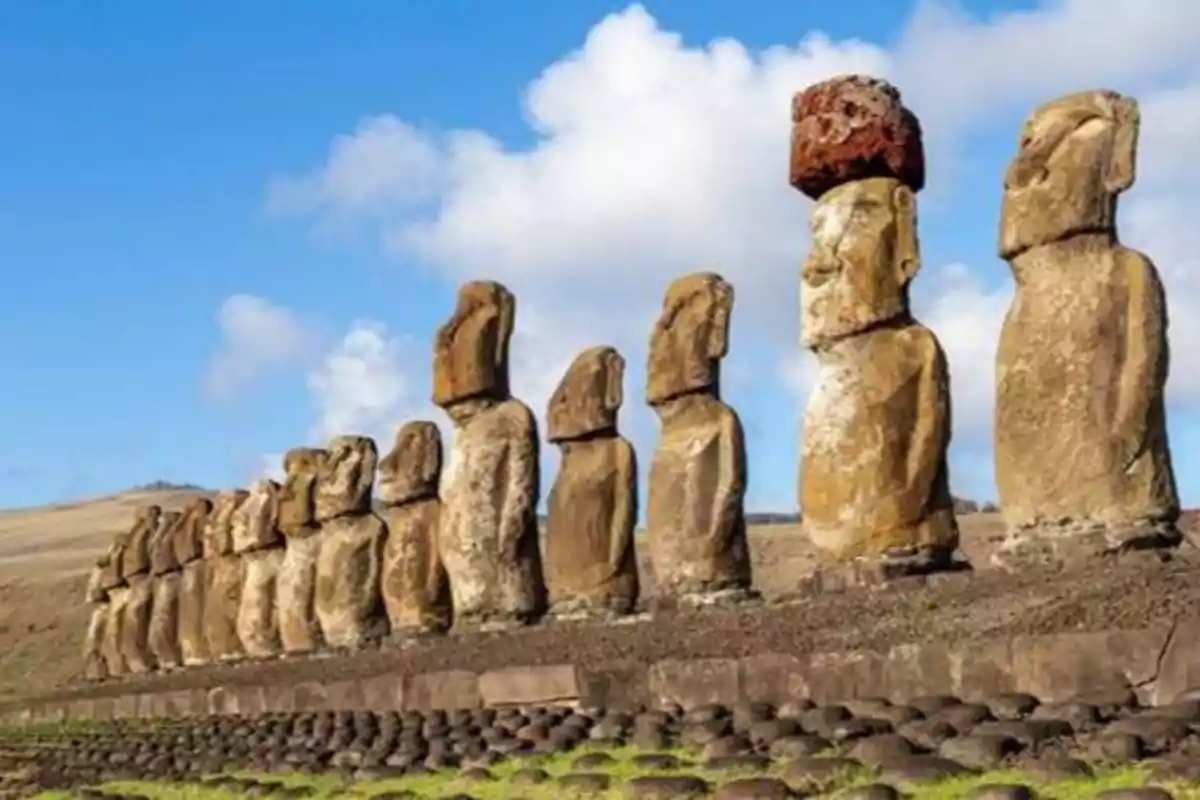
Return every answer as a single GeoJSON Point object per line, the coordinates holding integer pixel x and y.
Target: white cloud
{"type": "Point", "coordinates": [256, 337]}
{"type": "Point", "coordinates": [655, 158]}
{"type": "Point", "coordinates": [364, 384]}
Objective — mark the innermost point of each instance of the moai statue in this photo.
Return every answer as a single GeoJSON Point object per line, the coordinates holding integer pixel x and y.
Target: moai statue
{"type": "Point", "coordinates": [117, 590]}
{"type": "Point", "coordinates": [696, 527]}
{"type": "Point", "coordinates": [189, 552]}
{"type": "Point", "coordinates": [416, 591]}
{"type": "Point", "coordinates": [874, 487]}
{"type": "Point", "coordinates": [296, 586]}
{"type": "Point", "coordinates": [94, 667]}
{"type": "Point", "coordinates": [223, 589]}
{"type": "Point", "coordinates": [348, 603]}
{"type": "Point", "coordinates": [488, 533]}
{"type": "Point", "coordinates": [135, 570]}
{"type": "Point", "coordinates": [256, 538]}
{"type": "Point", "coordinates": [1082, 463]}
{"type": "Point", "coordinates": [165, 577]}
{"type": "Point", "coordinates": [591, 564]}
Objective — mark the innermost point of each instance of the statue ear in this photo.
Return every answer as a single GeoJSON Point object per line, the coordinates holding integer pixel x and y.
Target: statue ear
{"type": "Point", "coordinates": [614, 380]}
{"type": "Point", "coordinates": [908, 249]}
{"type": "Point", "coordinates": [722, 309]}
{"type": "Point", "coordinates": [1122, 163]}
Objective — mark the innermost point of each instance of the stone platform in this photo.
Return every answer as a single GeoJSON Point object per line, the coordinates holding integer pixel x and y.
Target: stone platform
{"type": "Point", "coordinates": [1125, 626]}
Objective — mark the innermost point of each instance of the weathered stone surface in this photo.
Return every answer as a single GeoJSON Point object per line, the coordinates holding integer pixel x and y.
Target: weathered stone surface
{"type": "Point", "coordinates": [258, 618]}
{"type": "Point", "coordinates": [256, 538]}
{"type": "Point", "coordinates": [93, 643]}
{"type": "Point", "coordinates": [695, 517]}
{"type": "Point", "coordinates": [135, 557]}
{"type": "Point", "coordinates": [299, 628]}
{"type": "Point", "coordinates": [110, 561]}
{"type": "Point", "coordinates": [346, 477]}
{"type": "Point", "coordinates": [553, 684]}
{"type": "Point", "coordinates": [866, 492]}
{"type": "Point", "coordinates": [223, 587]}
{"type": "Point", "coordinates": [189, 552]}
{"type": "Point", "coordinates": [1081, 443]}
{"type": "Point", "coordinates": [850, 128]}
{"type": "Point", "coordinates": [347, 600]}
{"type": "Point", "coordinates": [164, 621]}
{"type": "Point", "coordinates": [161, 545]}
{"type": "Point", "coordinates": [591, 563]}
{"type": "Point", "coordinates": [135, 628]}
{"type": "Point", "coordinates": [414, 584]}
{"type": "Point", "coordinates": [218, 527]}
{"type": "Point", "coordinates": [111, 645]}
{"type": "Point", "coordinates": [488, 536]}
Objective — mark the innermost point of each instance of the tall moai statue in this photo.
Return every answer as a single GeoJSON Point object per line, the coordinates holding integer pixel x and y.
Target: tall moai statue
{"type": "Point", "coordinates": [94, 667]}
{"type": "Point", "coordinates": [164, 609]}
{"type": "Point", "coordinates": [223, 587]}
{"type": "Point", "coordinates": [348, 603]}
{"type": "Point", "coordinates": [135, 570]}
{"type": "Point", "coordinates": [296, 587]}
{"type": "Point", "coordinates": [189, 553]}
{"type": "Point", "coordinates": [696, 526]}
{"type": "Point", "coordinates": [874, 486]}
{"type": "Point", "coordinates": [256, 538]}
{"type": "Point", "coordinates": [117, 590]}
{"type": "Point", "coordinates": [1082, 463]}
{"type": "Point", "coordinates": [488, 533]}
{"type": "Point", "coordinates": [416, 590]}
{"type": "Point", "coordinates": [591, 563]}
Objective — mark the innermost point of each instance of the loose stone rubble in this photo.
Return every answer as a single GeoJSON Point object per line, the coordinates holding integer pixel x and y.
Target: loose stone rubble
{"type": "Point", "coordinates": [1082, 465]}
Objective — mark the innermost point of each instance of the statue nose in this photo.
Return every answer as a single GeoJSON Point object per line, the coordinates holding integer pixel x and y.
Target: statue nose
{"type": "Point", "coordinates": [819, 270]}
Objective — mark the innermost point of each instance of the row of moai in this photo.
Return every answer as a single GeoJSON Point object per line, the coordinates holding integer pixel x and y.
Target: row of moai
{"type": "Point", "coordinates": [1081, 453]}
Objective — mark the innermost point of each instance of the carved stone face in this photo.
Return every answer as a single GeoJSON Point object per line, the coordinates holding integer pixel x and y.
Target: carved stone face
{"type": "Point", "coordinates": [256, 521]}
{"type": "Point", "coordinates": [690, 338]}
{"type": "Point", "coordinates": [189, 534]}
{"type": "Point", "coordinates": [297, 496]}
{"type": "Point", "coordinates": [864, 254]}
{"type": "Point", "coordinates": [135, 559]}
{"type": "Point", "coordinates": [1077, 154]}
{"type": "Point", "coordinates": [218, 533]}
{"type": "Point", "coordinates": [111, 561]}
{"type": "Point", "coordinates": [588, 397]}
{"type": "Point", "coordinates": [470, 352]}
{"type": "Point", "coordinates": [346, 478]}
{"type": "Point", "coordinates": [162, 550]}
{"type": "Point", "coordinates": [411, 471]}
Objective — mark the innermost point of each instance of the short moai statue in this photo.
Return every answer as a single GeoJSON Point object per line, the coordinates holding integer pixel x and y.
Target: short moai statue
{"type": "Point", "coordinates": [189, 553]}
{"type": "Point", "coordinates": [348, 604]}
{"type": "Point", "coordinates": [135, 569]}
{"type": "Point", "coordinates": [256, 538]}
{"type": "Point", "coordinates": [591, 563]}
{"type": "Point", "coordinates": [416, 590]}
{"type": "Point", "coordinates": [223, 588]}
{"type": "Point", "coordinates": [696, 525]}
{"type": "Point", "coordinates": [117, 591]}
{"type": "Point", "coordinates": [164, 610]}
{"type": "Point", "coordinates": [488, 533]}
{"type": "Point", "coordinates": [296, 586]}
{"type": "Point", "coordinates": [94, 667]}
{"type": "Point", "coordinates": [1082, 462]}
{"type": "Point", "coordinates": [874, 486]}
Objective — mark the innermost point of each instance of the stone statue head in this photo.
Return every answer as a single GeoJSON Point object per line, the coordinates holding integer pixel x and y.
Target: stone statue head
{"type": "Point", "coordinates": [588, 397]}
{"type": "Point", "coordinates": [97, 592]}
{"type": "Point", "coordinates": [470, 352]}
{"type": "Point", "coordinates": [864, 255]}
{"type": "Point", "coordinates": [218, 532]}
{"type": "Point", "coordinates": [347, 477]}
{"type": "Point", "coordinates": [189, 533]}
{"type": "Point", "coordinates": [690, 338]}
{"type": "Point", "coordinates": [111, 560]}
{"type": "Point", "coordinates": [162, 544]}
{"type": "Point", "coordinates": [298, 495]}
{"type": "Point", "coordinates": [256, 521]}
{"type": "Point", "coordinates": [135, 559]}
{"type": "Point", "coordinates": [412, 470]}
{"type": "Point", "coordinates": [1077, 154]}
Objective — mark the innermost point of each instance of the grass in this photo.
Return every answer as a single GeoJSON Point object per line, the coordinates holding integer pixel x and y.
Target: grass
{"type": "Point", "coordinates": [446, 784]}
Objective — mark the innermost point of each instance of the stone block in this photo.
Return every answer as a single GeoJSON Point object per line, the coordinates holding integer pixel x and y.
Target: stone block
{"type": "Point", "coordinates": [443, 690]}
{"type": "Point", "coordinates": [545, 685]}
{"type": "Point", "coordinates": [696, 682]}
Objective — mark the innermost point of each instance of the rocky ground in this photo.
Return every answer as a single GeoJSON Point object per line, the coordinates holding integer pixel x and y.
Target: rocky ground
{"type": "Point", "coordinates": [1008, 746]}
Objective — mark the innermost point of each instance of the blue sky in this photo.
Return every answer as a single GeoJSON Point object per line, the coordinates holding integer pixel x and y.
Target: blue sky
{"type": "Point", "coordinates": [158, 159]}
